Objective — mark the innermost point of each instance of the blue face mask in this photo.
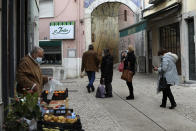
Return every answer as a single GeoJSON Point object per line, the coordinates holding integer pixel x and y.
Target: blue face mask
{"type": "Point", "coordinates": [38, 60]}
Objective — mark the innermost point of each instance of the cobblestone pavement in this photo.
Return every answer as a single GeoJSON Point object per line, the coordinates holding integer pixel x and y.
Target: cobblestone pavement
{"type": "Point", "coordinates": [185, 96]}
{"type": "Point", "coordinates": [93, 116]}
{"type": "Point", "coordinates": [97, 114]}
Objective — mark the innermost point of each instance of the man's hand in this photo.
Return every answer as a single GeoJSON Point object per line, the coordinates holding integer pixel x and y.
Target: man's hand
{"type": "Point", "coordinates": [30, 91]}
{"type": "Point", "coordinates": [35, 89]}
{"type": "Point", "coordinates": [81, 74]}
{"type": "Point", "coordinates": [155, 68]}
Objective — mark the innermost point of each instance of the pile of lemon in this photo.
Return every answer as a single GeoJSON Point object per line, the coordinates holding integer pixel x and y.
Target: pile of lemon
{"type": "Point", "coordinates": [59, 119]}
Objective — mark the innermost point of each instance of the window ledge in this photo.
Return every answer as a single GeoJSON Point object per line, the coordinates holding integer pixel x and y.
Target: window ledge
{"type": "Point", "coordinates": [46, 17]}
{"type": "Point", "coordinates": [51, 65]}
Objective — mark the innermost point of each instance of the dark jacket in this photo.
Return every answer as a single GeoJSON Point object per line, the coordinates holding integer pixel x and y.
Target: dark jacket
{"type": "Point", "coordinates": [90, 61]}
{"type": "Point", "coordinates": [107, 68]}
{"type": "Point", "coordinates": [130, 58]}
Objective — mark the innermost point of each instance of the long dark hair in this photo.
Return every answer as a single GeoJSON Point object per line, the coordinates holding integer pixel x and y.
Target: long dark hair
{"type": "Point", "coordinates": [162, 52]}
{"type": "Point", "coordinates": [106, 52]}
{"type": "Point", "coordinates": [91, 47]}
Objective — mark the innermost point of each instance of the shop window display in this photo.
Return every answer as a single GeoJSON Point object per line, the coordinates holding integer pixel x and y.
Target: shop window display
{"type": "Point", "coordinates": [52, 52]}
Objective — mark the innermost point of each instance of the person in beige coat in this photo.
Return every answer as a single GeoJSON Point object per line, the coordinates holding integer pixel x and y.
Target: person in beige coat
{"type": "Point", "coordinates": [90, 63]}
{"type": "Point", "coordinates": [29, 77]}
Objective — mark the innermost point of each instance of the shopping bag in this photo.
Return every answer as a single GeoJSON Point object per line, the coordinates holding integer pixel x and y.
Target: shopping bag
{"type": "Point", "coordinates": [127, 75]}
{"type": "Point", "coordinates": [51, 87]}
{"type": "Point", "coordinates": [121, 67]}
{"type": "Point", "coordinates": [162, 83]}
{"type": "Point", "coordinates": [100, 91]}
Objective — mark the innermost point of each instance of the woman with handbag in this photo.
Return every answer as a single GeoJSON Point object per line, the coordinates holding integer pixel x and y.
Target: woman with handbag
{"type": "Point", "coordinates": [129, 64]}
{"type": "Point", "coordinates": [168, 76]}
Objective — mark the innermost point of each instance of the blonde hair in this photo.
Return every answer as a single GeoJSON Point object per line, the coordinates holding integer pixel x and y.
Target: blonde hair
{"type": "Point", "coordinates": [130, 48]}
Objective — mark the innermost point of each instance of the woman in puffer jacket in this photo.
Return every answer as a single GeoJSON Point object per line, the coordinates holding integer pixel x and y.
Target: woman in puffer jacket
{"type": "Point", "coordinates": [168, 68]}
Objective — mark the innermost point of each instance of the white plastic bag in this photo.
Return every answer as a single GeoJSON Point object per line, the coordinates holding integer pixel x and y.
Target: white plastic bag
{"type": "Point", "coordinates": [32, 123]}
{"type": "Point", "coordinates": [50, 86]}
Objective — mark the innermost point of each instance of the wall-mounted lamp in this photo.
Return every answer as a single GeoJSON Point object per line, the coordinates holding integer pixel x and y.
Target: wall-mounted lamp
{"type": "Point", "coordinates": [81, 21]}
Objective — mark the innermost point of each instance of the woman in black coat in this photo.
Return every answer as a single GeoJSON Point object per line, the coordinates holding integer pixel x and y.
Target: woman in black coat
{"type": "Point", "coordinates": [107, 71]}
{"type": "Point", "coordinates": [129, 64]}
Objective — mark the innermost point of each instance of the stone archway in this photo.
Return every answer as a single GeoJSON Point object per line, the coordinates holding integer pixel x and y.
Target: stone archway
{"type": "Point", "coordinates": [94, 5]}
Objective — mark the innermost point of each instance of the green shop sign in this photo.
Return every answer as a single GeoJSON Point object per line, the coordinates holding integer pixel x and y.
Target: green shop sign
{"type": "Point", "coordinates": [133, 29]}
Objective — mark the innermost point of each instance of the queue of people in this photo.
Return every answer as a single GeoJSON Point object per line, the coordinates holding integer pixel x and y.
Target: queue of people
{"type": "Point", "coordinates": [167, 70]}
{"type": "Point", "coordinates": [30, 79]}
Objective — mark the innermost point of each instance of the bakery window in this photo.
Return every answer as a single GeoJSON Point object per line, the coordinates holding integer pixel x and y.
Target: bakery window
{"type": "Point", "coordinates": [52, 52]}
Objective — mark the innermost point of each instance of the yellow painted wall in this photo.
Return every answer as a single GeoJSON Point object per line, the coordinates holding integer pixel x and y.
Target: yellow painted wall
{"type": "Point", "coordinates": [105, 30]}
{"type": "Point", "coordinates": [190, 5]}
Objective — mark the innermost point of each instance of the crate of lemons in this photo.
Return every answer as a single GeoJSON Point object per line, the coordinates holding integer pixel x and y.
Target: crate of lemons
{"type": "Point", "coordinates": [59, 119]}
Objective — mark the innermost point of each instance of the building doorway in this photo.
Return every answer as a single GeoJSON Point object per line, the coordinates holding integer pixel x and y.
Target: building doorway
{"type": "Point", "coordinates": [149, 38]}
{"type": "Point", "coordinates": [192, 65]}
{"type": "Point", "coordinates": [170, 40]}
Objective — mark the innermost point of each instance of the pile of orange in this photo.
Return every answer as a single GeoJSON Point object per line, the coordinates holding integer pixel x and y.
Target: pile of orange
{"type": "Point", "coordinates": [55, 92]}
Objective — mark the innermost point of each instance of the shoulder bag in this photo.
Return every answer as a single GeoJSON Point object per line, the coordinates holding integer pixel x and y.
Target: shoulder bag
{"type": "Point", "coordinates": [162, 81]}
{"type": "Point", "coordinates": [127, 75]}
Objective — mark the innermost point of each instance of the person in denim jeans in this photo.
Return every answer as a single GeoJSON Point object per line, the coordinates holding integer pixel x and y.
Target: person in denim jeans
{"type": "Point", "coordinates": [90, 63]}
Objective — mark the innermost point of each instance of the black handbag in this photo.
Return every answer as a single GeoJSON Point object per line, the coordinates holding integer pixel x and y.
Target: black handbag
{"type": "Point", "coordinates": [162, 83]}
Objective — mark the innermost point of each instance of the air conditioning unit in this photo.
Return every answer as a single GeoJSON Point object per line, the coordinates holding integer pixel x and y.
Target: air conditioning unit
{"type": "Point", "coordinates": [155, 1]}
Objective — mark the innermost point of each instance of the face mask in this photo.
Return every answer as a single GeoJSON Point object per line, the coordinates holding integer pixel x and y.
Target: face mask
{"type": "Point", "coordinates": [38, 60]}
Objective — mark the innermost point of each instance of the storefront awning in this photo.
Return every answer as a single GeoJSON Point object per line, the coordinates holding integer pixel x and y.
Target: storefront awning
{"type": "Point", "coordinates": [155, 11]}
{"type": "Point", "coordinates": [133, 28]}
{"type": "Point", "coordinates": [50, 43]}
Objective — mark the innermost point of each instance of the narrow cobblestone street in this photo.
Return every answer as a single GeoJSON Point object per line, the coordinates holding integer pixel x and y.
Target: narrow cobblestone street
{"type": "Point", "coordinates": [141, 114]}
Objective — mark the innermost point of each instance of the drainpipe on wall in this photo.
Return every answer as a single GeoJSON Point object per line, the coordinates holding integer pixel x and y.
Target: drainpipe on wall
{"type": "Point", "coordinates": [11, 48]}
{"type": "Point", "coordinates": [22, 27]}
{"type": "Point", "coordinates": [4, 55]}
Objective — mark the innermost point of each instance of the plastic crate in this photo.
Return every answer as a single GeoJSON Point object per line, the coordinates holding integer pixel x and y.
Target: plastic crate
{"type": "Point", "coordinates": [56, 96]}
{"type": "Point", "coordinates": [77, 126]}
{"type": "Point", "coordinates": [59, 112]}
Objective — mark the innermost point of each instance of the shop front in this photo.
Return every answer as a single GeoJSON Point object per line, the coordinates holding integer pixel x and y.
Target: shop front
{"type": "Point", "coordinates": [60, 61]}
{"type": "Point", "coordinates": [163, 31]}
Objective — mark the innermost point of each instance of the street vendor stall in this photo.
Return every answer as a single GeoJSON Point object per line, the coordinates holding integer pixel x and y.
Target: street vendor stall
{"type": "Point", "coordinates": [49, 112]}
{"type": "Point", "coordinates": [56, 115]}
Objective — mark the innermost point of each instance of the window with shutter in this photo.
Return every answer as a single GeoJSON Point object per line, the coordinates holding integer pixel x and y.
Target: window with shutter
{"type": "Point", "coordinates": [46, 8]}
{"type": "Point", "coordinates": [170, 40]}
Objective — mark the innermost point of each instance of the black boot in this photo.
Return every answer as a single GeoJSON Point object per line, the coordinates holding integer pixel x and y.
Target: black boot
{"type": "Point", "coordinates": [88, 89]}
{"type": "Point", "coordinates": [172, 106]}
{"type": "Point", "coordinates": [130, 97]}
{"type": "Point", "coordinates": [108, 95]}
{"type": "Point", "coordinates": [163, 106]}
{"type": "Point", "coordinates": [93, 88]}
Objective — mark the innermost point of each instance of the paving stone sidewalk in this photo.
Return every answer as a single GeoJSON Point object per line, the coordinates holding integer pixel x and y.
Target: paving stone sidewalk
{"type": "Point", "coordinates": [96, 115]}
{"type": "Point", "coordinates": [93, 116]}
